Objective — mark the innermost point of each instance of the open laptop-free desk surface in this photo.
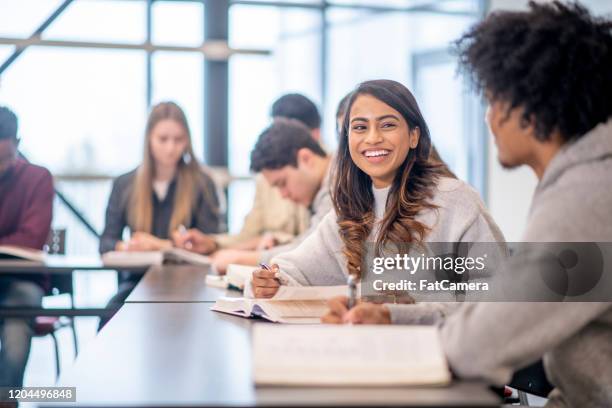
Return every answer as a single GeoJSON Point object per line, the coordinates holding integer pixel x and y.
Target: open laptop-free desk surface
{"type": "Point", "coordinates": [183, 354]}
{"type": "Point", "coordinates": [59, 265]}
{"type": "Point", "coordinates": [63, 264]}
{"type": "Point", "coordinates": [177, 283]}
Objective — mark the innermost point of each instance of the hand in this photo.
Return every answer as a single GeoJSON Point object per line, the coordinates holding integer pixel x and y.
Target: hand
{"type": "Point", "coordinates": [195, 241]}
{"type": "Point", "coordinates": [222, 258]}
{"type": "Point", "coordinates": [266, 241]}
{"type": "Point", "coordinates": [142, 241]}
{"type": "Point", "coordinates": [363, 313]}
{"type": "Point", "coordinates": [264, 283]}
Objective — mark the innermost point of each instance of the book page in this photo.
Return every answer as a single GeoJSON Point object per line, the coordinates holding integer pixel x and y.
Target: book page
{"type": "Point", "coordinates": [310, 292]}
{"type": "Point", "coordinates": [282, 309]}
{"type": "Point", "coordinates": [132, 258]}
{"type": "Point", "coordinates": [238, 275]}
{"type": "Point", "coordinates": [182, 255]}
{"type": "Point", "coordinates": [216, 281]}
{"type": "Point", "coordinates": [288, 311]}
{"type": "Point", "coordinates": [235, 306]}
{"type": "Point", "coordinates": [348, 355]}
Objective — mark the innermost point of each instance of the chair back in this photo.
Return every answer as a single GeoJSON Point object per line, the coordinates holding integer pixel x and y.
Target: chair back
{"type": "Point", "coordinates": [56, 245]}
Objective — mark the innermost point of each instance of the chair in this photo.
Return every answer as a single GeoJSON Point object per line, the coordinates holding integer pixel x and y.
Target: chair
{"type": "Point", "coordinates": [59, 284]}
{"type": "Point", "coordinates": [531, 380]}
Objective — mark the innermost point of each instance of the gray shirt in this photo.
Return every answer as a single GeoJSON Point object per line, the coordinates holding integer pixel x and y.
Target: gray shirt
{"type": "Point", "coordinates": [572, 203]}
{"type": "Point", "coordinates": [460, 217]}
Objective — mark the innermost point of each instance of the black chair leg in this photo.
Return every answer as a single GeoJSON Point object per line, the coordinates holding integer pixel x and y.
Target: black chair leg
{"type": "Point", "coordinates": [73, 327]}
{"type": "Point", "coordinates": [74, 337]}
{"type": "Point", "coordinates": [57, 356]}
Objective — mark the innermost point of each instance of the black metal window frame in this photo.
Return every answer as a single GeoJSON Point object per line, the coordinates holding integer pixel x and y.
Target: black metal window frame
{"type": "Point", "coordinates": [216, 71]}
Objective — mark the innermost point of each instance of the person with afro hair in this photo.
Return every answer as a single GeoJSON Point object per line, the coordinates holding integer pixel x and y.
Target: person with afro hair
{"type": "Point", "coordinates": [547, 76]}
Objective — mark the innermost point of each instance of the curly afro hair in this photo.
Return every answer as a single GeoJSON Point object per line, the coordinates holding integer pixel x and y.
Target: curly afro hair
{"type": "Point", "coordinates": [554, 61]}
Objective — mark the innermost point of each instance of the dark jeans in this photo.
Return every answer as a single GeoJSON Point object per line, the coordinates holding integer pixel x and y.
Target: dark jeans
{"type": "Point", "coordinates": [127, 282]}
{"type": "Point", "coordinates": [16, 333]}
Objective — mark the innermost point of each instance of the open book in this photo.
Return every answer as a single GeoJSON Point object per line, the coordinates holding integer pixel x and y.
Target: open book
{"type": "Point", "coordinates": [135, 258]}
{"type": "Point", "coordinates": [291, 304]}
{"type": "Point", "coordinates": [27, 254]}
{"type": "Point", "coordinates": [348, 355]}
{"type": "Point", "coordinates": [235, 277]}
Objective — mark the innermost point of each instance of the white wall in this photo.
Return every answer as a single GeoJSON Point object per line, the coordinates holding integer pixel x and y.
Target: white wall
{"type": "Point", "coordinates": [510, 191]}
{"type": "Point", "coordinates": [509, 195]}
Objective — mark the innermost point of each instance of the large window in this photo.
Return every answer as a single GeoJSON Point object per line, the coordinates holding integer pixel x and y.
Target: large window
{"type": "Point", "coordinates": [294, 38]}
{"type": "Point", "coordinates": [82, 110]}
{"type": "Point", "coordinates": [413, 49]}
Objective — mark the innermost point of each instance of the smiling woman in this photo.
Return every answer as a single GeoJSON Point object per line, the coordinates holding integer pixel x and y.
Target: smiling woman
{"type": "Point", "coordinates": [386, 191]}
{"type": "Point", "coordinates": [378, 143]}
{"type": "Point", "coordinates": [385, 142]}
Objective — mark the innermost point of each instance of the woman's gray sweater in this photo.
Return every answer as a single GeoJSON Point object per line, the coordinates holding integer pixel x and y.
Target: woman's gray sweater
{"type": "Point", "coordinates": [460, 217]}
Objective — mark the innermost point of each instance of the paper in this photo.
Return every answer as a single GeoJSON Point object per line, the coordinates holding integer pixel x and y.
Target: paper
{"type": "Point", "coordinates": [147, 258]}
{"type": "Point", "coordinates": [348, 355]}
{"type": "Point", "coordinates": [216, 281]}
{"type": "Point", "coordinates": [292, 304]}
{"type": "Point", "coordinates": [132, 258]}
{"type": "Point", "coordinates": [238, 275]}
{"type": "Point", "coordinates": [179, 255]}
{"type": "Point", "coordinates": [310, 292]}
{"type": "Point", "coordinates": [306, 311]}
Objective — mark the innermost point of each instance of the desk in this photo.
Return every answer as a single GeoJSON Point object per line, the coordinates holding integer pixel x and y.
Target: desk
{"type": "Point", "coordinates": [58, 265]}
{"type": "Point", "coordinates": [160, 354]}
{"type": "Point", "coordinates": [63, 264]}
{"type": "Point", "coordinates": [177, 283]}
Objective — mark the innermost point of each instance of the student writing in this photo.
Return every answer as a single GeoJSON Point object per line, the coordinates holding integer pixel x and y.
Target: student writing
{"type": "Point", "coordinates": [168, 189]}
{"type": "Point", "coordinates": [385, 190]}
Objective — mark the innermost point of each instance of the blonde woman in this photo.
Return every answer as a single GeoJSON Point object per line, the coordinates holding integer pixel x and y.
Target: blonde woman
{"type": "Point", "coordinates": [168, 190]}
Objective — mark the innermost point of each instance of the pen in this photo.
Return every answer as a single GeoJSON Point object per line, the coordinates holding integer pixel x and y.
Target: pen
{"type": "Point", "coordinates": [182, 231]}
{"type": "Point", "coordinates": [277, 275]}
{"type": "Point", "coordinates": [352, 291]}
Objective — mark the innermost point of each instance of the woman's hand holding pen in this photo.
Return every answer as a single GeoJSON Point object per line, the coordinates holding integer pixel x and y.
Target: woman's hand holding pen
{"type": "Point", "coordinates": [362, 313]}
{"type": "Point", "coordinates": [265, 281]}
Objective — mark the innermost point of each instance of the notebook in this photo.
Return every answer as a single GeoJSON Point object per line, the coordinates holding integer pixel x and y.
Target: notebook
{"type": "Point", "coordinates": [136, 258]}
{"type": "Point", "coordinates": [291, 304]}
{"type": "Point", "coordinates": [26, 254]}
{"type": "Point", "coordinates": [348, 355]}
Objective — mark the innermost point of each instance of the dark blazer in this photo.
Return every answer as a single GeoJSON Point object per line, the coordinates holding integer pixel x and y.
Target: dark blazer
{"type": "Point", "coordinates": [206, 215]}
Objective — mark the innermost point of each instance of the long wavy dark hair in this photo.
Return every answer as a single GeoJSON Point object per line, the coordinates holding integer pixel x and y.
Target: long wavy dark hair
{"type": "Point", "coordinates": [411, 190]}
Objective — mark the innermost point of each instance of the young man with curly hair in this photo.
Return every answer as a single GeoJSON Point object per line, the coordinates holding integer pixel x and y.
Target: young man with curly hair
{"type": "Point", "coordinates": [547, 75]}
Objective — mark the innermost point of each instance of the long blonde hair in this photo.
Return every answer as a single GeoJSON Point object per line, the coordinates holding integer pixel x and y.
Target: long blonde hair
{"type": "Point", "coordinates": [188, 175]}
